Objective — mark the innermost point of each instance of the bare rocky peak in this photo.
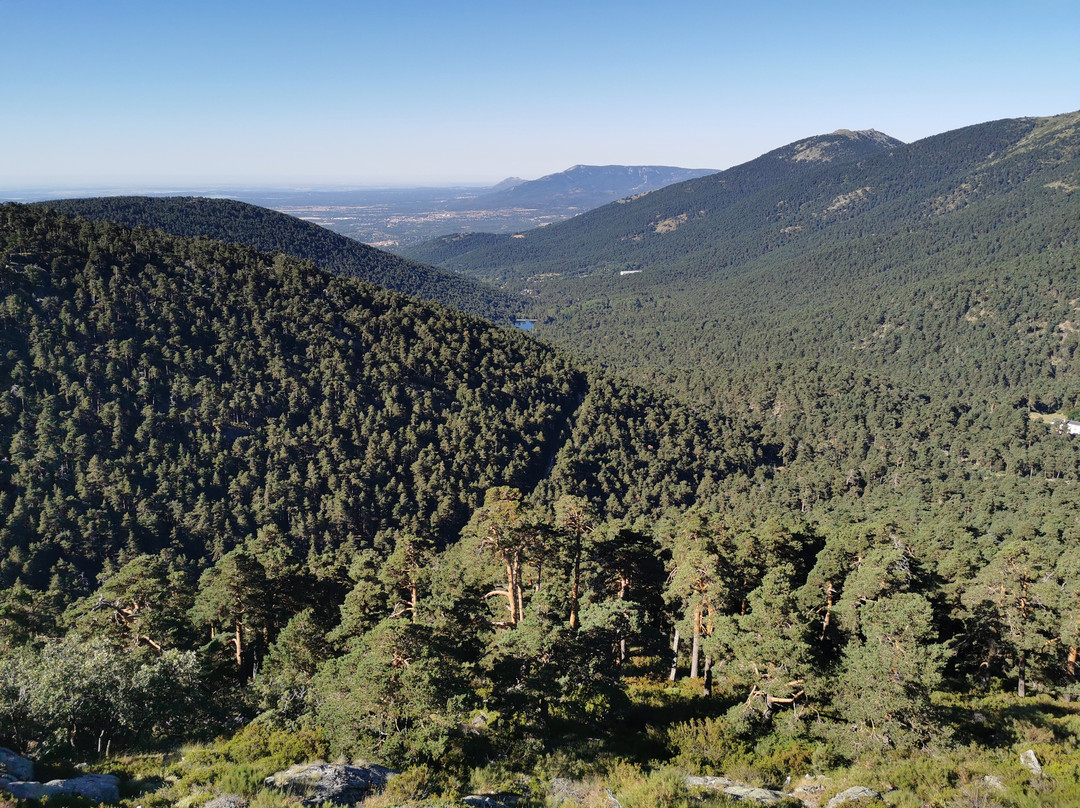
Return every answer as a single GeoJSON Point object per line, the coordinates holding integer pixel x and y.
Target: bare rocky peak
{"type": "Point", "coordinates": [867, 134]}
{"type": "Point", "coordinates": [838, 144]}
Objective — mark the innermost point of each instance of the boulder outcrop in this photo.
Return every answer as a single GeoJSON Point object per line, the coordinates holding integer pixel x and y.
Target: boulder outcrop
{"type": "Point", "coordinates": [500, 800]}
{"type": "Point", "coordinates": [581, 793]}
{"type": "Point", "coordinates": [737, 791]}
{"type": "Point", "coordinates": [227, 801]}
{"type": "Point", "coordinates": [810, 789]}
{"type": "Point", "coordinates": [1030, 762]}
{"type": "Point", "coordinates": [853, 794]}
{"type": "Point", "coordinates": [95, 787]}
{"type": "Point", "coordinates": [15, 766]}
{"type": "Point", "coordinates": [316, 783]}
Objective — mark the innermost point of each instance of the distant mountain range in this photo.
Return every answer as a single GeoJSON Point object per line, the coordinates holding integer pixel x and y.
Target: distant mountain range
{"type": "Point", "coordinates": [579, 188]}
{"type": "Point", "coordinates": [394, 218]}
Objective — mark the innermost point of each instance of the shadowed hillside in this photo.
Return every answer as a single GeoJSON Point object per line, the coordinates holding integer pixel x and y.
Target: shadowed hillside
{"type": "Point", "coordinates": [263, 229]}
{"type": "Point", "coordinates": [190, 394]}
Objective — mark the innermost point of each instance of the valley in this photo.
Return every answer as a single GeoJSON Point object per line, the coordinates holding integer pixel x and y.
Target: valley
{"type": "Point", "coordinates": [770, 495]}
{"type": "Point", "coordinates": [394, 218]}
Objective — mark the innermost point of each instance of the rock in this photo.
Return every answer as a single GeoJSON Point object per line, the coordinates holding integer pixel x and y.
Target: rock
{"type": "Point", "coordinates": [716, 783]}
{"type": "Point", "coordinates": [227, 801]}
{"type": "Point", "coordinates": [1030, 762]}
{"type": "Point", "coordinates": [15, 765]}
{"type": "Point", "coordinates": [853, 794]}
{"type": "Point", "coordinates": [737, 791]}
{"type": "Point", "coordinates": [492, 800]}
{"type": "Point", "coordinates": [316, 783]}
{"type": "Point", "coordinates": [95, 787]}
{"type": "Point", "coordinates": [762, 796]}
{"type": "Point", "coordinates": [994, 782]}
{"type": "Point", "coordinates": [580, 793]}
{"type": "Point", "coordinates": [810, 789]}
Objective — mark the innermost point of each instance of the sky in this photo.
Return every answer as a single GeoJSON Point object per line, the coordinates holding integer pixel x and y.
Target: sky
{"type": "Point", "coordinates": [409, 92]}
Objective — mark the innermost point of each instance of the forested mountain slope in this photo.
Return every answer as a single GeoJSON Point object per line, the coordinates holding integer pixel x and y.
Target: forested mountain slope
{"type": "Point", "coordinates": [191, 395]}
{"type": "Point", "coordinates": [948, 263]}
{"type": "Point", "coordinates": [612, 238]}
{"type": "Point", "coordinates": [268, 230]}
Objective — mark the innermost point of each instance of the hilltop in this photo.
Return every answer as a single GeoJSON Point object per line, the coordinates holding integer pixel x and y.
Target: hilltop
{"type": "Point", "coordinates": [268, 230]}
{"type": "Point", "coordinates": [615, 236]}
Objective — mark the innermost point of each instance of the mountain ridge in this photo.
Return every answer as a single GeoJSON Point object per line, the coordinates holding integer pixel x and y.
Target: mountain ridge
{"type": "Point", "coordinates": [945, 262]}
{"type": "Point", "coordinates": [420, 538]}
{"type": "Point", "coordinates": [667, 209]}
{"type": "Point", "coordinates": [268, 230]}
{"type": "Point", "coordinates": [580, 187]}
{"type": "Point", "coordinates": [859, 262]}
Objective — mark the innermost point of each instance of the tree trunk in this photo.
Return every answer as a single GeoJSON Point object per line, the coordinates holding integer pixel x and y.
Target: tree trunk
{"type": "Point", "coordinates": [1021, 684]}
{"type": "Point", "coordinates": [520, 611]}
{"type": "Point", "coordinates": [828, 608]}
{"type": "Point", "coordinates": [706, 690]}
{"type": "Point", "coordinates": [575, 589]}
{"type": "Point", "coordinates": [1070, 664]}
{"type": "Point", "coordinates": [624, 585]}
{"type": "Point", "coordinates": [239, 646]}
{"type": "Point", "coordinates": [674, 657]}
{"type": "Point", "coordinates": [511, 592]}
{"type": "Point", "coordinates": [695, 648]}
{"type": "Point", "coordinates": [987, 664]}
{"type": "Point", "coordinates": [694, 651]}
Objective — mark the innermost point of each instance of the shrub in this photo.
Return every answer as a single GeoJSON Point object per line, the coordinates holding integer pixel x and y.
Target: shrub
{"type": "Point", "coordinates": [778, 758]}
{"type": "Point", "coordinates": [706, 746]}
{"type": "Point", "coordinates": [240, 764]}
{"type": "Point", "coordinates": [660, 787]}
{"type": "Point", "coordinates": [281, 748]}
{"type": "Point", "coordinates": [415, 784]}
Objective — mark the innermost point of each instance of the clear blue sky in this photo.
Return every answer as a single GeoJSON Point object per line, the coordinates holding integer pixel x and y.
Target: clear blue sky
{"type": "Point", "coordinates": [194, 93]}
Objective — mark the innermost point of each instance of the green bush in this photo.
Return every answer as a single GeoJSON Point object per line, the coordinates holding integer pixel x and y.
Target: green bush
{"type": "Point", "coordinates": [66, 801]}
{"type": "Point", "coordinates": [240, 764]}
{"type": "Point", "coordinates": [259, 741]}
{"type": "Point", "coordinates": [706, 746]}
{"type": "Point", "coordinates": [498, 776]}
{"type": "Point", "coordinates": [779, 758]}
{"type": "Point", "coordinates": [661, 787]}
{"type": "Point", "coordinates": [243, 778]}
{"type": "Point", "coordinates": [413, 785]}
